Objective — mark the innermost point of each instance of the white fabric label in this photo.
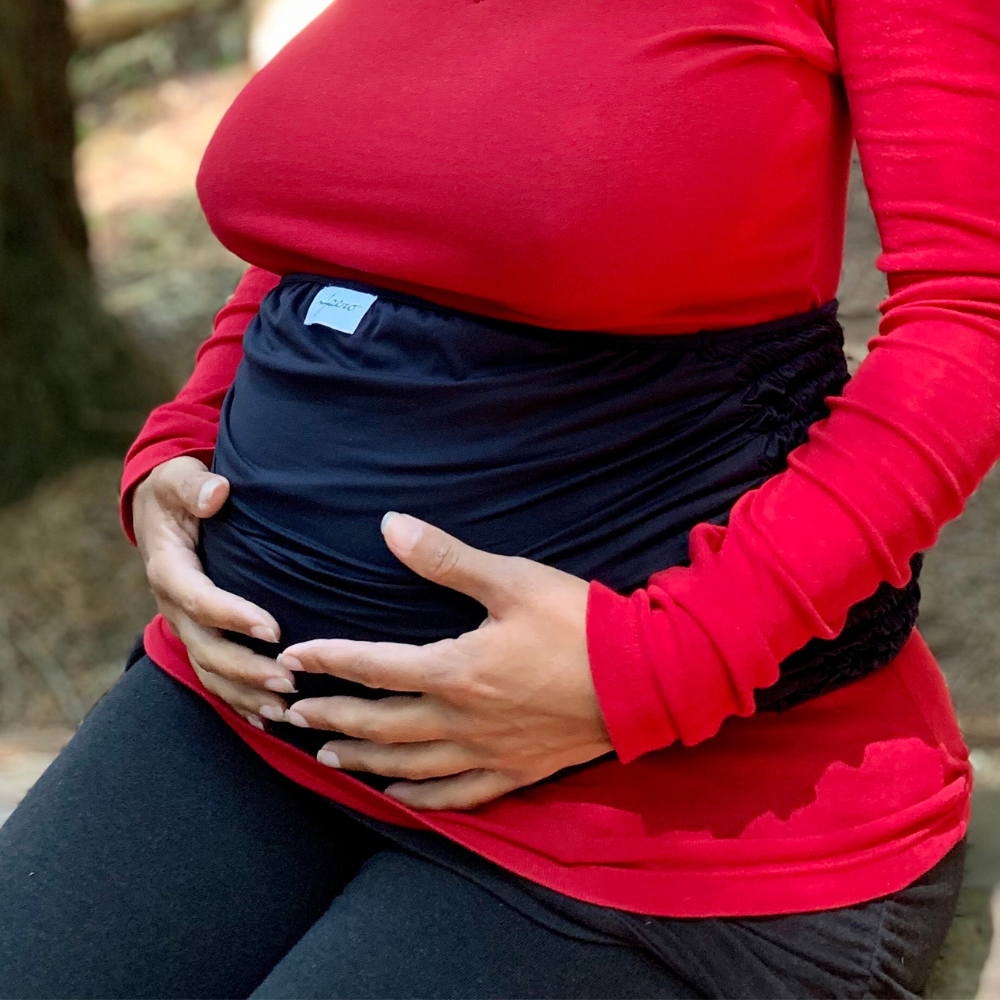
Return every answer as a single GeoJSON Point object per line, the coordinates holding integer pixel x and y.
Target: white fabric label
{"type": "Point", "coordinates": [339, 308]}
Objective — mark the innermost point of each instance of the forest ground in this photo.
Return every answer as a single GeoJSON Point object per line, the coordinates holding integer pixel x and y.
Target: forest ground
{"type": "Point", "coordinates": [72, 591]}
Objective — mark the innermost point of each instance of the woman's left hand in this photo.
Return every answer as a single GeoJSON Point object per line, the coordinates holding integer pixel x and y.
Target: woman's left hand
{"type": "Point", "coordinates": [496, 709]}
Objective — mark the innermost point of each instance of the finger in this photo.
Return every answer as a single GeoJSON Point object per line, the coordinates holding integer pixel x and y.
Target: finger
{"type": "Point", "coordinates": [414, 762]}
{"type": "Point", "coordinates": [464, 791]}
{"type": "Point", "coordinates": [198, 491]}
{"type": "Point", "coordinates": [177, 579]}
{"type": "Point", "coordinates": [253, 705]}
{"type": "Point", "coordinates": [388, 720]}
{"type": "Point", "coordinates": [442, 558]}
{"type": "Point", "coordinates": [217, 686]}
{"type": "Point", "coordinates": [391, 666]}
{"type": "Point", "coordinates": [231, 661]}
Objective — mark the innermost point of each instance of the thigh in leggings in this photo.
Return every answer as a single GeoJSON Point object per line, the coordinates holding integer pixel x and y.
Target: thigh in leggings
{"type": "Point", "coordinates": [160, 857]}
{"type": "Point", "coordinates": [406, 927]}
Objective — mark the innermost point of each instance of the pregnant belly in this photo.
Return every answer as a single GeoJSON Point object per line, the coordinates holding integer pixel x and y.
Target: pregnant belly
{"type": "Point", "coordinates": [592, 453]}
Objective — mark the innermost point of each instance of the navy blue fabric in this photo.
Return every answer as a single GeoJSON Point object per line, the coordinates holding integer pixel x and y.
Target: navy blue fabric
{"type": "Point", "coordinates": [591, 452]}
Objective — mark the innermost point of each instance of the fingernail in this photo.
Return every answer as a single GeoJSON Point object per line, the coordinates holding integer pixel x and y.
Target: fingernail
{"type": "Point", "coordinates": [407, 530]}
{"type": "Point", "coordinates": [280, 685]}
{"type": "Point", "coordinates": [273, 713]}
{"type": "Point", "coordinates": [254, 721]}
{"type": "Point", "coordinates": [296, 719]}
{"type": "Point", "coordinates": [264, 632]}
{"type": "Point", "coordinates": [205, 493]}
{"type": "Point", "coordinates": [289, 662]}
{"type": "Point", "coordinates": [386, 518]}
{"type": "Point", "coordinates": [328, 757]}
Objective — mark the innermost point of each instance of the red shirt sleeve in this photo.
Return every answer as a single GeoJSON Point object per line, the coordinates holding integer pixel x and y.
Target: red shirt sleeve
{"type": "Point", "coordinates": [189, 424]}
{"type": "Point", "coordinates": [915, 432]}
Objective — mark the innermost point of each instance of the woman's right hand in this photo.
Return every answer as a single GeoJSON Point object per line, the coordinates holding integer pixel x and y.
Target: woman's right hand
{"type": "Point", "coordinates": [167, 508]}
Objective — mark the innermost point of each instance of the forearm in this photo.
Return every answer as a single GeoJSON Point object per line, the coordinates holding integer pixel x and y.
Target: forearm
{"type": "Point", "coordinates": [911, 438]}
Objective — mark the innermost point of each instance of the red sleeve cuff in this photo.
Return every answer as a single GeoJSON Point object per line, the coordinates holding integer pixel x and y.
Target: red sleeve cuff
{"type": "Point", "coordinates": [636, 715]}
{"type": "Point", "coordinates": [673, 661]}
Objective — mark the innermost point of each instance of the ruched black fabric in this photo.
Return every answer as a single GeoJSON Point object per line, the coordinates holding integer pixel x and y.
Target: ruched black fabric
{"type": "Point", "coordinates": [592, 452]}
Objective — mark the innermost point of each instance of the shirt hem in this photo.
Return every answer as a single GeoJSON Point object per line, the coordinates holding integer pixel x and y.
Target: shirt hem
{"type": "Point", "coordinates": [717, 887]}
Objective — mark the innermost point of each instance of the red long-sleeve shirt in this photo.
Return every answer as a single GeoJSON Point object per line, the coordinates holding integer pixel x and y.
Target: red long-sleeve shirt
{"type": "Point", "coordinates": [639, 166]}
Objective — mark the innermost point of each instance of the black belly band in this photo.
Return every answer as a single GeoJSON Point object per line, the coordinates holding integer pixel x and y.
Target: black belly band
{"type": "Point", "coordinates": [593, 452]}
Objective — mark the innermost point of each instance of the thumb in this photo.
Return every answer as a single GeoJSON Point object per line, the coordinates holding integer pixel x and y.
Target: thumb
{"type": "Point", "coordinates": [202, 493]}
{"type": "Point", "coordinates": [441, 558]}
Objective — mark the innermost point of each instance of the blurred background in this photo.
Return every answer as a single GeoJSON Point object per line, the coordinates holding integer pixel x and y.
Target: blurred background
{"type": "Point", "coordinates": [148, 80]}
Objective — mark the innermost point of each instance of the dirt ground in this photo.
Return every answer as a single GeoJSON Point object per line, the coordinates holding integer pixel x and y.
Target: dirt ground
{"type": "Point", "coordinates": [72, 591]}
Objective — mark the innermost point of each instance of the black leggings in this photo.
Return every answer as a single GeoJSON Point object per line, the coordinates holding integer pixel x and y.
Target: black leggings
{"type": "Point", "coordinates": [160, 857]}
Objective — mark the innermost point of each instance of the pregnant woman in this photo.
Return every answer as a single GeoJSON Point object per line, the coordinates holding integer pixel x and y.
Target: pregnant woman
{"type": "Point", "coordinates": [538, 595]}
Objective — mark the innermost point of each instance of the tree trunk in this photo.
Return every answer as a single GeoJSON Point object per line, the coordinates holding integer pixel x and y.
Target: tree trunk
{"type": "Point", "coordinates": [70, 384]}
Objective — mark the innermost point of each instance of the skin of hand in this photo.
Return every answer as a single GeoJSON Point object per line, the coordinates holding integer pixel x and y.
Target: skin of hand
{"type": "Point", "coordinates": [493, 710]}
{"type": "Point", "coordinates": [167, 507]}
